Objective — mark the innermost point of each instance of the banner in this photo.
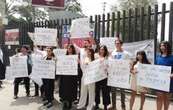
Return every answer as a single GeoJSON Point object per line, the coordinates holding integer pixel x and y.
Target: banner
{"type": "Point", "coordinates": [12, 37]}
{"type": "Point", "coordinates": [154, 76]}
{"type": "Point", "coordinates": [119, 73]}
{"type": "Point", "coordinates": [81, 28]}
{"type": "Point", "coordinates": [67, 65]}
{"type": "Point", "coordinates": [59, 52]}
{"type": "Point", "coordinates": [45, 37]}
{"type": "Point", "coordinates": [146, 45]}
{"type": "Point", "coordinates": [95, 71]}
{"type": "Point", "coordinates": [49, 3]}
{"type": "Point", "coordinates": [18, 66]}
{"type": "Point", "coordinates": [43, 68]}
{"type": "Point", "coordinates": [132, 47]}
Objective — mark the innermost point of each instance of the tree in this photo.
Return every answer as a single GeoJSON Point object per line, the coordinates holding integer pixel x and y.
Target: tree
{"type": "Point", "coordinates": [25, 10]}
{"type": "Point", "coordinates": [73, 6]}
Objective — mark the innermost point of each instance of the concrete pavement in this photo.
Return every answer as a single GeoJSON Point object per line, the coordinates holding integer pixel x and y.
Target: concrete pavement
{"type": "Point", "coordinates": [34, 103]}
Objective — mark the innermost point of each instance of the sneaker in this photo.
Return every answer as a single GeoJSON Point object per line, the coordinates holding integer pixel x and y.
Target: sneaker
{"type": "Point", "coordinates": [15, 97]}
{"type": "Point", "coordinates": [45, 103]}
{"type": "Point", "coordinates": [49, 105]}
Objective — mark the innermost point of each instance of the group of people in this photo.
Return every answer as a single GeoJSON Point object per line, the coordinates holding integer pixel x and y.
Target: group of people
{"type": "Point", "coordinates": [72, 88]}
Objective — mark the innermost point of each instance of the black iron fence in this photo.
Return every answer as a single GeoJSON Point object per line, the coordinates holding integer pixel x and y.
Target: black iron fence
{"type": "Point", "coordinates": [131, 25]}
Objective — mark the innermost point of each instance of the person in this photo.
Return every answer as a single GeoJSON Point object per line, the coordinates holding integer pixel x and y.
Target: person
{"type": "Point", "coordinates": [119, 53]}
{"type": "Point", "coordinates": [102, 85]}
{"type": "Point", "coordinates": [48, 84]}
{"type": "Point", "coordinates": [68, 85]}
{"type": "Point", "coordinates": [141, 58]}
{"type": "Point", "coordinates": [2, 68]}
{"type": "Point", "coordinates": [24, 52]}
{"type": "Point", "coordinates": [87, 89]}
{"type": "Point", "coordinates": [165, 58]}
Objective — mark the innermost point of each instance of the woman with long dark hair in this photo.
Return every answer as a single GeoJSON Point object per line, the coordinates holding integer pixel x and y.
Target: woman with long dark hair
{"type": "Point", "coordinates": [165, 58]}
{"type": "Point", "coordinates": [141, 58]}
{"type": "Point", "coordinates": [102, 85]}
{"type": "Point", "coordinates": [68, 85]}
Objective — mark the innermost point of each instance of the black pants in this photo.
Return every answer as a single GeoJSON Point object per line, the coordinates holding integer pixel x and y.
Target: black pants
{"type": "Point", "coordinates": [26, 82]}
{"type": "Point", "coordinates": [102, 86]}
{"type": "Point", "coordinates": [48, 86]}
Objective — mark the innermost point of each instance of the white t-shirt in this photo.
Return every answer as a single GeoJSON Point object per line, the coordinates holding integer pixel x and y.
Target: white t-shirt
{"type": "Point", "coordinates": [120, 55]}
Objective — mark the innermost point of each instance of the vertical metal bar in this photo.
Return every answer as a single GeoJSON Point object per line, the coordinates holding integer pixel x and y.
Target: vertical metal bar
{"type": "Point", "coordinates": [129, 25]}
{"type": "Point", "coordinates": [171, 24]}
{"type": "Point", "coordinates": [142, 24]}
{"type": "Point", "coordinates": [95, 28]}
{"type": "Point", "coordinates": [118, 25]}
{"type": "Point", "coordinates": [163, 22]}
{"type": "Point", "coordinates": [99, 22]}
{"type": "Point", "coordinates": [108, 25]}
{"type": "Point", "coordinates": [124, 25]}
{"type": "Point", "coordinates": [113, 25]}
{"type": "Point", "coordinates": [103, 25]}
{"type": "Point", "coordinates": [155, 30]}
{"type": "Point", "coordinates": [135, 25]}
{"type": "Point", "coordinates": [149, 23]}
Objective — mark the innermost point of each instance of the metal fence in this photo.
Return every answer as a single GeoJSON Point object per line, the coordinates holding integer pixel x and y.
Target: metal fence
{"type": "Point", "coordinates": [131, 25]}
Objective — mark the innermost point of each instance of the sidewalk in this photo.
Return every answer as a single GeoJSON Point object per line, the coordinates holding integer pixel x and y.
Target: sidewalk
{"type": "Point", "coordinates": [31, 103]}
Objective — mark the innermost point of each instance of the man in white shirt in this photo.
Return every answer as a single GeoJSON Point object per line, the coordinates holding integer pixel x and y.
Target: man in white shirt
{"type": "Point", "coordinates": [119, 53]}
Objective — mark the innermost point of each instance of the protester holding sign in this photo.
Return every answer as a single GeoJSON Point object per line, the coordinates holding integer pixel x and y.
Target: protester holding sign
{"type": "Point", "coordinates": [119, 53]}
{"type": "Point", "coordinates": [48, 84]}
{"type": "Point", "coordinates": [87, 89]}
{"type": "Point", "coordinates": [165, 58]}
{"type": "Point", "coordinates": [102, 85]}
{"type": "Point", "coordinates": [24, 52]}
{"type": "Point", "coordinates": [68, 84]}
{"type": "Point", "coordinates": [141, 58]}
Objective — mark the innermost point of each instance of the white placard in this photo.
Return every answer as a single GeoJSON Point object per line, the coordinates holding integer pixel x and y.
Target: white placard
{"type": "Point", "coordinates": [43, 68]}
{"type": "Point", "coordinates": [67, 65]}
{"type": "Point", "coordinates": [19, 66]}
{"type": "Point", "coordinates": [12, 37]}
{"type": "Point", "coordinates": [95, 71]}
{"type": "Point", "coordinates": [80, 28]}
{"type": "Point", "coordinates": [119, 73]}
{"type": "Point", "coordinates": [109, 42]}
{"type": "Point", "coordinates": [45, 37]}
{"type": "Point", "coordinates": [59, 52]}
{"type": "Point", "coordinates": [154, 76]}
{"type": "Point", "coordinates": [8, 73]}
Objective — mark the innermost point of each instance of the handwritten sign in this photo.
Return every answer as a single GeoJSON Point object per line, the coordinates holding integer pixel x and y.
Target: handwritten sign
{"type": "Point", "coordinates": [119, 73]}
{"type": "Point", "coordinates": [19, 66]}
{"type": "Point", "coordinates": [81, 28]}
{"type": "Point", "coordinates": [95, 71]}
{"type": "Point", "coordinates": [43, 68]}
{"type": "Point", "coordinates": [109, 42]}
{"type": "Point", "coordinates": [154, 76]}
{"type": "Point", "coordinates": [45, 37]}
{"type": "Point", "coordinates": [67, 65]}
{"type": "Point", "coordinates": [59, 52]}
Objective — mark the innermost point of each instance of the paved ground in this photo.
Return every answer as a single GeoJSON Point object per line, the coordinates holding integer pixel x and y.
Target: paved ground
{"type": "Point", "coordinates": [34, 103]}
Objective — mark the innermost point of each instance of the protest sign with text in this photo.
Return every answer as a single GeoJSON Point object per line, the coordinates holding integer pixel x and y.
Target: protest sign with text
{"type": "Point", "coordinates": [119, 73]}
{"type": "Point", "coordinates": [18, 66]}
{"type": "Point", "coordinates": [67, 65]}
{"type": "Point", "coordinates": [43, 68]}
{"type": "Point", "coordinates": [154, 76]}
{"type": "Point", "coordinates": [45, 37]}
{"type": "Point", "coordinates": [95, 71]}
